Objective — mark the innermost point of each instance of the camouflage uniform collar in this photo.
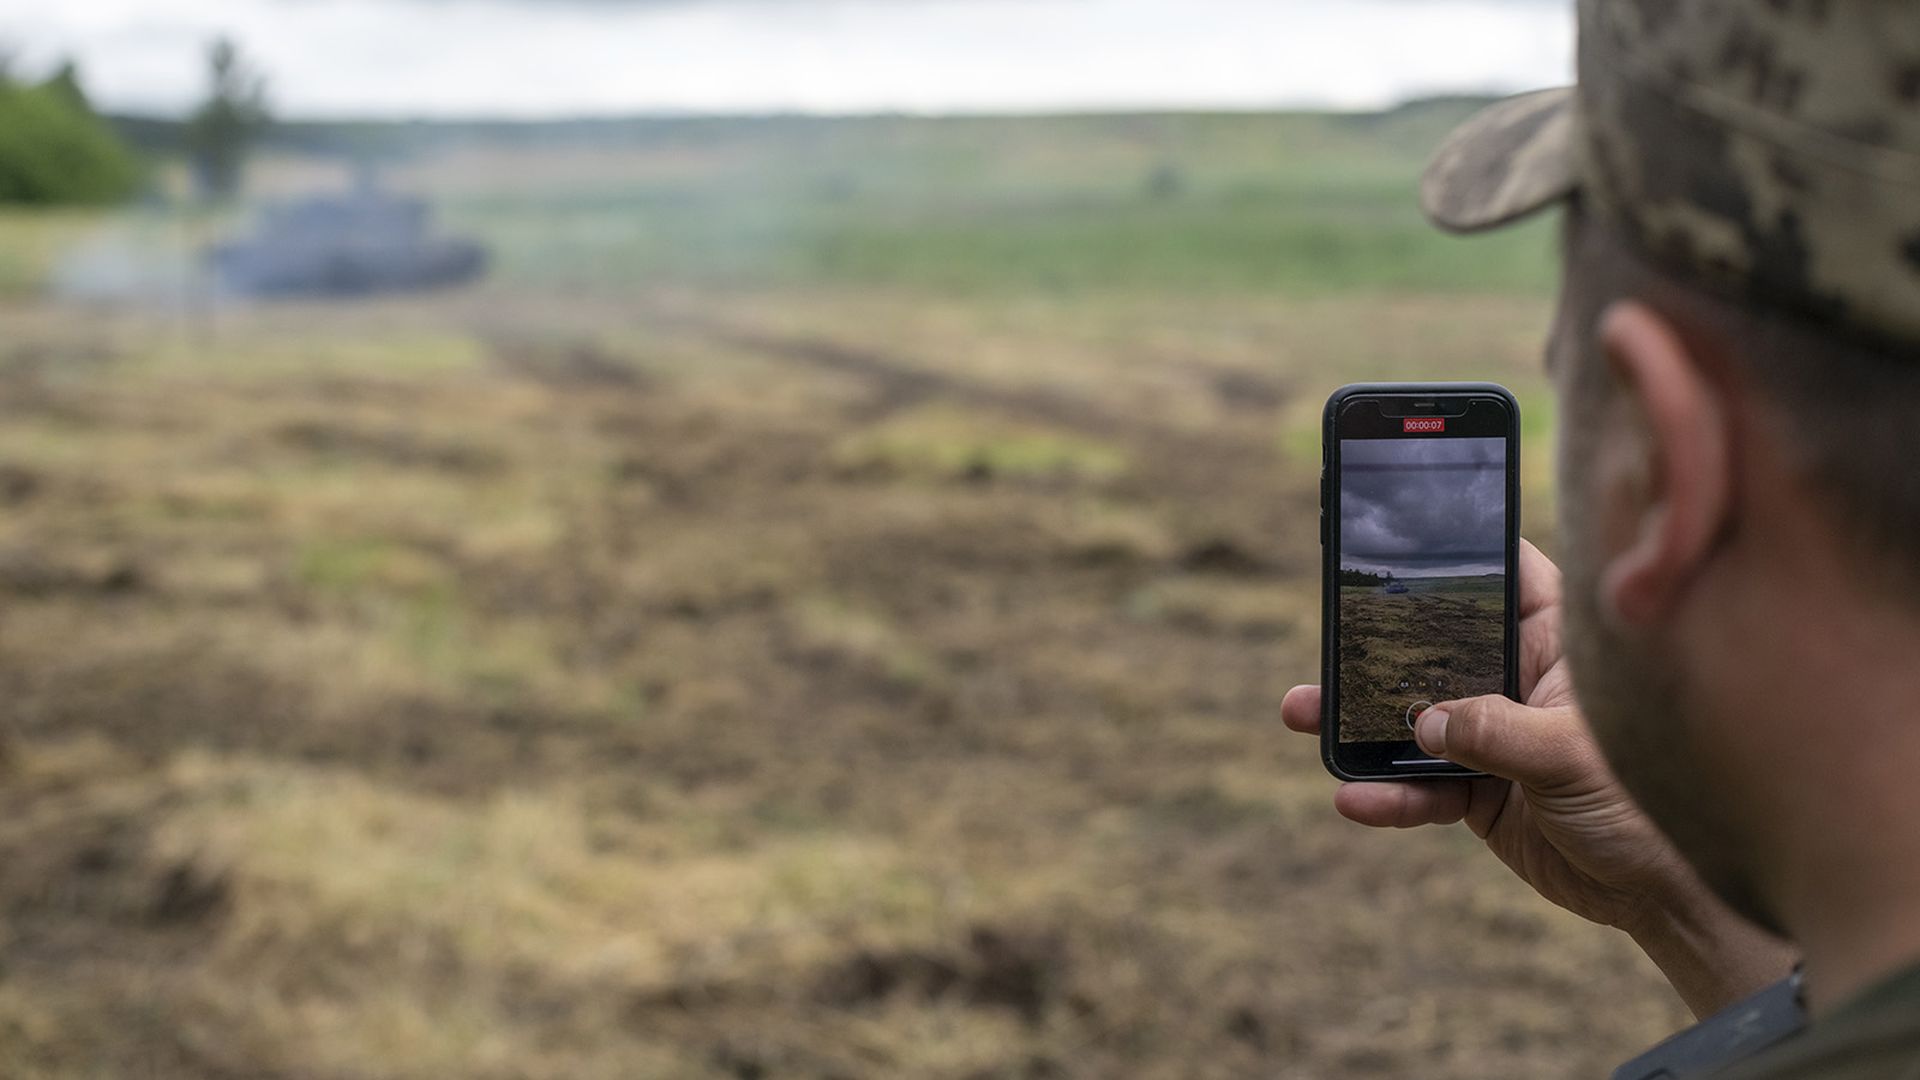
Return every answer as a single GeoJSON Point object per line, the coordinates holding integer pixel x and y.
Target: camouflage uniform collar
{"type": "Point", "coordinates": [1897, 992]}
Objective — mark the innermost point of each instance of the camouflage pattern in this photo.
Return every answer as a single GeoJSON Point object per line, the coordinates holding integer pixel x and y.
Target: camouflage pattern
{"type": "Point", "coordinates": [1512, 159]}
{"type": "Point", "coordinates": [1766, 148]}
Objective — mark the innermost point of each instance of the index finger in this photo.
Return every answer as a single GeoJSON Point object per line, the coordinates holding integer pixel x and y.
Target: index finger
{"type": "Point", "coordinates": [1539, 581]}
{"type": "Point", "coordinates": [1300, 709]}
{"type": "Point", "coordinates": [1539, 617]}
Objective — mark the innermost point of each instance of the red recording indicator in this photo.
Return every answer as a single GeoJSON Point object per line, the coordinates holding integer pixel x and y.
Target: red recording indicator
{"type": "Point", "coordinates": [1430, 425]}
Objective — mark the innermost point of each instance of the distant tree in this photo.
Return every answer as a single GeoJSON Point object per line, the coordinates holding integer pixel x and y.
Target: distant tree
{"type": "Point", "coordinates": [1166, 182]}
{"type": "Point", "coordinates": [1350, 576]}
{"type": "Point", "coordinates": [66, 83]}
{"type": "Point", "coordinates": [54, 149]}
{"type": "Point", "coordinates": [221, 133]}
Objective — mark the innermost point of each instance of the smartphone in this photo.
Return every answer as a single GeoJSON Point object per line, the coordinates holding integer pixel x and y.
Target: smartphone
{"type": "Point", "coordinates": [1420, 530]}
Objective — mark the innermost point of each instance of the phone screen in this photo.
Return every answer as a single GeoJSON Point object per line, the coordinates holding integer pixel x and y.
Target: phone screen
{"type": "Point", "coordinates": [1422, 568]}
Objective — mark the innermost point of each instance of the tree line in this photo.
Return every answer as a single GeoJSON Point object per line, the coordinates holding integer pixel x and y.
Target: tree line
{"type": "Point", "coordinates": [57, 149]}
{"type": "Point", "coordinates": [54, 148]}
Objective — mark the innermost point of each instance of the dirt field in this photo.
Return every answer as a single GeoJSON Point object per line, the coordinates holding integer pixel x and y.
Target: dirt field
{"type": "Point", "coordinates": [820, 610]}
{"type": "Point", "coordinates": [1443, 636]}
{"type": "Point", "coordinates": [686, 684]}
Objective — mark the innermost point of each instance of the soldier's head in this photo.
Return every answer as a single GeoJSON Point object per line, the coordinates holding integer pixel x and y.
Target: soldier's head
{"type": "Point", "coordinates": [1737, 358]}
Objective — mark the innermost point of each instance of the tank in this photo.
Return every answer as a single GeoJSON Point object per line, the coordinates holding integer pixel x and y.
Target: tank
{"type": "Point", "coordinates": [362, 243]}
{"type": "Point", "coordinates": [1396, 587]}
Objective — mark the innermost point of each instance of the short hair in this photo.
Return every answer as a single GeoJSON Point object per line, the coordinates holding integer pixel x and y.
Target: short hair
{"type": "Point", "coordinates": [1850, 404]}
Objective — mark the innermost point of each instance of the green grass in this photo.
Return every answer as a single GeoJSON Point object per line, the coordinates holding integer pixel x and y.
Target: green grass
{"type": "Point", "coordinates": [1299, 242]}
{"type": "Point", "coordinates": [943, 443]}
{"type": "Point", "coordinates": [1294, 202]}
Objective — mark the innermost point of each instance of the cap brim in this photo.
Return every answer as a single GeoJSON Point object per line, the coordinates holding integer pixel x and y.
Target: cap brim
{"type": "Point", "coordinates": [1509, 161]}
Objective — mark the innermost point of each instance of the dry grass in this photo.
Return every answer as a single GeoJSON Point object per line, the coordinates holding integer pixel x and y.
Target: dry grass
{"type": "Point", "coordinates": [770, 685]}
{"type": "Point", "coordinates": [1447, 631]}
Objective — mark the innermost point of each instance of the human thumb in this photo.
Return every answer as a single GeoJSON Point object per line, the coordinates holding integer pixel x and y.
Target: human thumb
{"type": "Point", "coordinates": [1496, 735]}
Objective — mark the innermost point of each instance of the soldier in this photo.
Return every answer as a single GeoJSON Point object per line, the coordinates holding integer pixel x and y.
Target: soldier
{"type": "Point", "coordinates": [1737, 361]}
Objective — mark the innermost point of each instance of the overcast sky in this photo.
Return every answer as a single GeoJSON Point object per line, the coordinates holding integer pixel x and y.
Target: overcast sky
{"type": "Point", "coordinates": [1423, 507]}
{"type": "Point", "coordinates": [556, 57]}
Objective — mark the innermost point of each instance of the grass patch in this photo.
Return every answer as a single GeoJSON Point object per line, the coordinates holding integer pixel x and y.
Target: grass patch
{"type": "Point", "coordinates": [945, 443]}
{"type": "Point", "coordinates": [352, 564]}
{"type": "Point", "coordinates": [865, 637]}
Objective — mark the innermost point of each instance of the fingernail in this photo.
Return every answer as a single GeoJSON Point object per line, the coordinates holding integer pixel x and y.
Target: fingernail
{"type": "Point", "coordinates": [1431, 731]}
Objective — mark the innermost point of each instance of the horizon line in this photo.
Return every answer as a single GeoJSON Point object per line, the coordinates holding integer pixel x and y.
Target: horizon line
{"type": "Point", "coordinates": [591, 116]}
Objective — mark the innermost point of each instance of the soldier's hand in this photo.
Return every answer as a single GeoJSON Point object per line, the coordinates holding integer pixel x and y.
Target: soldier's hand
{"type": "Point", "coordinates": [1553, 812]}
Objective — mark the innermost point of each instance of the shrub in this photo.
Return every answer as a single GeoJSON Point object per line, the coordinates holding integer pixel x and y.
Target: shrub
{"type": "Point", "coordinates": [53, 149]}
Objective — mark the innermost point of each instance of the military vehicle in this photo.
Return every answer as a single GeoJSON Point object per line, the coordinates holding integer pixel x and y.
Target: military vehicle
{"type": "Point", "coordinates": [362, 243]}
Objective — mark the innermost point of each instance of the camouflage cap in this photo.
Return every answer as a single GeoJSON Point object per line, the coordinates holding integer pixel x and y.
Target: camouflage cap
{"type": "Point", "coordinates": [1766, 148]}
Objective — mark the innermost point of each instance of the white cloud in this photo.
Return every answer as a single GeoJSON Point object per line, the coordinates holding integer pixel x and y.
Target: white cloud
{"type": "Point", "coordinates": [411, 57]}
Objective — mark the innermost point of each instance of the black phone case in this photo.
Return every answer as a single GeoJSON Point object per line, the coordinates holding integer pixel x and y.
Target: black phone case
{"type": "Point", "coordinates": [1329, 572]}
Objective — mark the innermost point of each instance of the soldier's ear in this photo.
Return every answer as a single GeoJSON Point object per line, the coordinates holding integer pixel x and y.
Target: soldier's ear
{"type": "Point", "coordinates": [1665, 473]}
